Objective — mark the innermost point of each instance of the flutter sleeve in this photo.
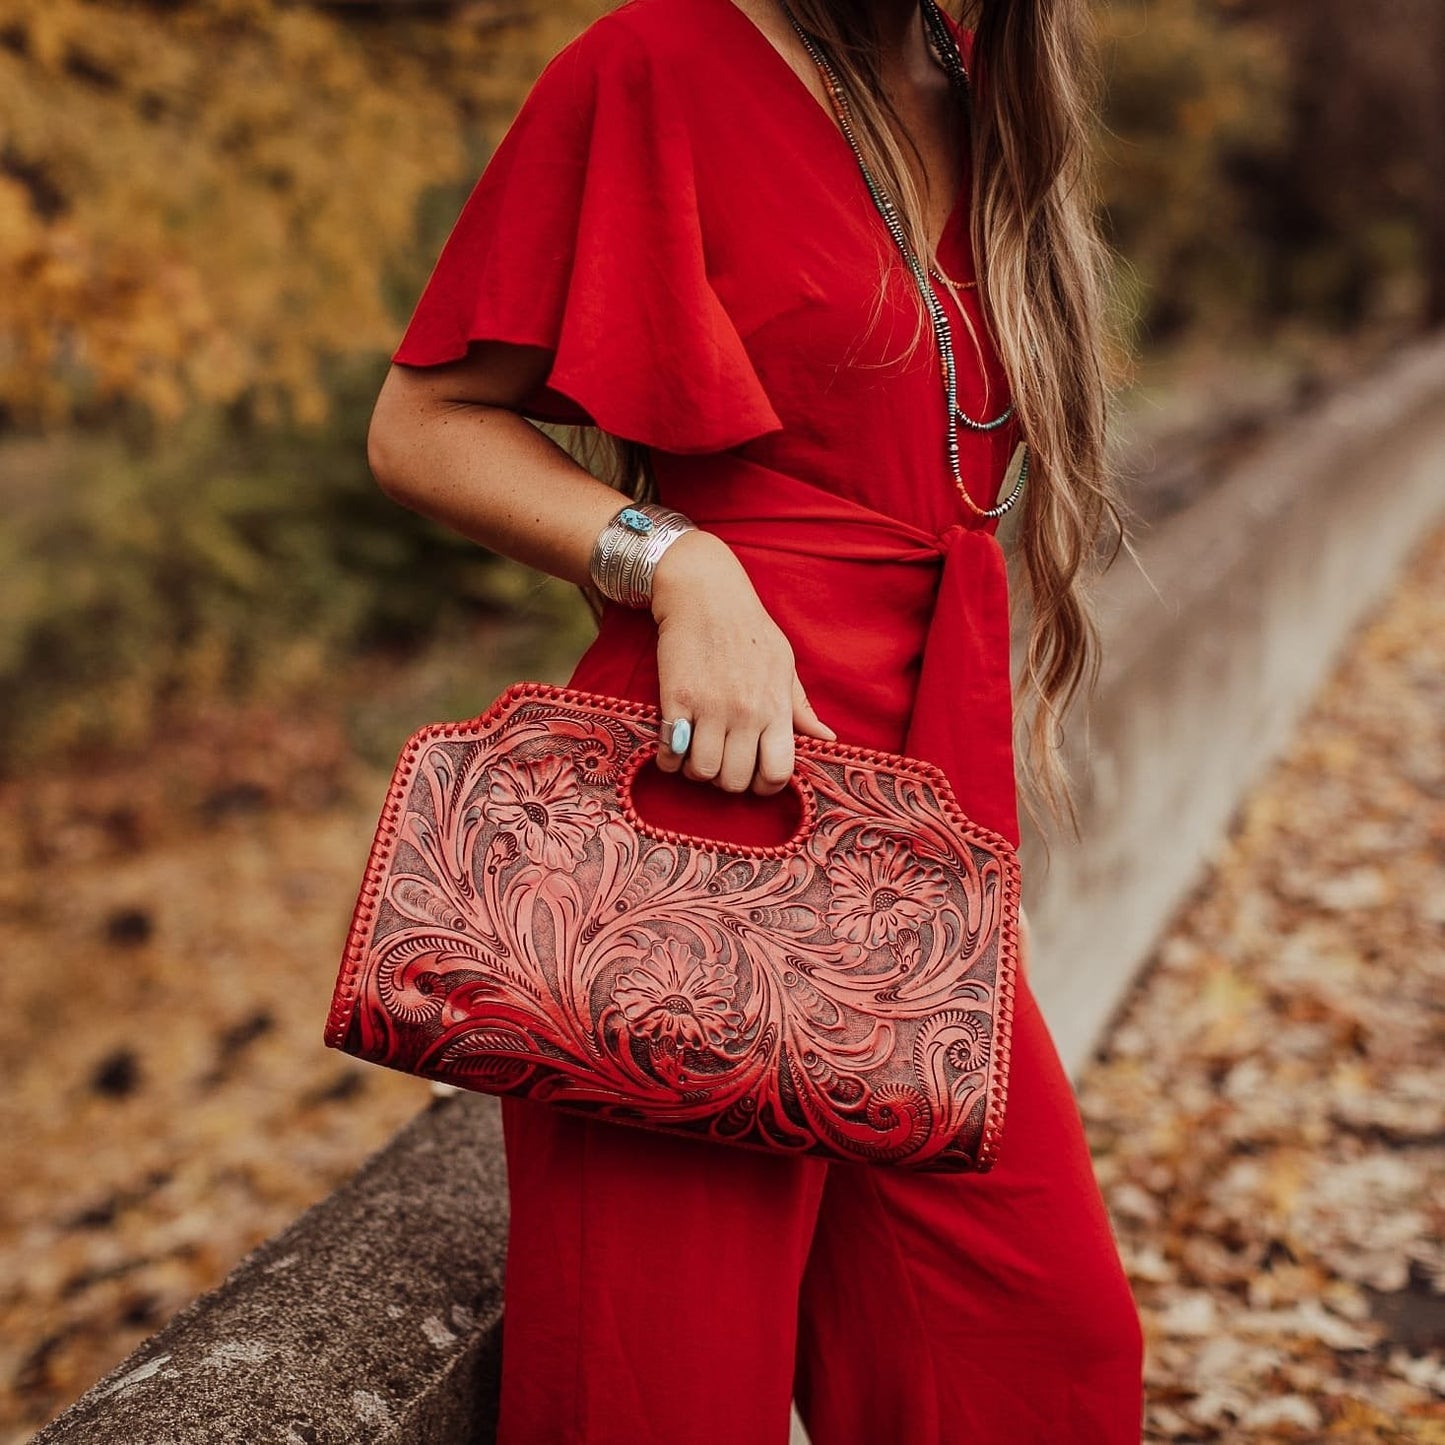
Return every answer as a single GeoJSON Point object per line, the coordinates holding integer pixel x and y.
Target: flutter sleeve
{"type": "Point", "coordinates": [583, 236]}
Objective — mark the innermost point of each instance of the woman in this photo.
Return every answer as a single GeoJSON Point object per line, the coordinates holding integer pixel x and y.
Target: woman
{"type": "Point", "coordinates": [679, 244]}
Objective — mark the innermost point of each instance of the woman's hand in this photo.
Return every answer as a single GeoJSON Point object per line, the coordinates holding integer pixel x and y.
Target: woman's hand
{"type": "Point", "coordinates": [447, 442]}
{"type": "Point", "coordinates": [723, 663]}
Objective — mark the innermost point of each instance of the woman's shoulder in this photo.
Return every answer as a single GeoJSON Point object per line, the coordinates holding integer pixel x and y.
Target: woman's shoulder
{"type": "Point", "coordinates": [658, 28]}
{"type": "Point", "coordinates": [683, 42]}
{"type": "Point", "coordinates": [642, 33]}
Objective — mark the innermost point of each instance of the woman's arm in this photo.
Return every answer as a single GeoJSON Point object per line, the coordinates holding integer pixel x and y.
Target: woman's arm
{"type": "Point", "coordinates": [447, 442]}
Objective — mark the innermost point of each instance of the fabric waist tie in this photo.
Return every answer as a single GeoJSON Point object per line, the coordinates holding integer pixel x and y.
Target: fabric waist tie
{"type": "Point", "coordinates": [953, 587]}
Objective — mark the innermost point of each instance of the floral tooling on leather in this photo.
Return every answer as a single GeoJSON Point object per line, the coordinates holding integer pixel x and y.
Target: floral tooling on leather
{"type": "Point", "coordinates": [522, 930]}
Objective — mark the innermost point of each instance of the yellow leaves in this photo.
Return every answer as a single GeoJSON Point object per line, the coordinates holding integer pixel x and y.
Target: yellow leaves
{"type": "Point", "coordinates": [19, 229]}
{"type": "Point", "coordinates": [1359, 1421]}
{"type": "Point", "coordinates": [49, 32]}
{"type": "Point", "coordinates": [1280, 1181]}
{"type": "Point", "coordinates": [202, 204]}
{"type": "Point", "coordinates": [1226, 1003]}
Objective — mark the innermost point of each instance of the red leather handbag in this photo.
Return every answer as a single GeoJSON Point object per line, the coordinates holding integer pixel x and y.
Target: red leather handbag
{"type": "Point", "coordinates": [523, 929]}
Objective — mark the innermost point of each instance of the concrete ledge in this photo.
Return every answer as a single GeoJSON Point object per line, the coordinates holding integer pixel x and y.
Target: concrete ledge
{"type": "Point", "coordinates": [375, 1317]}
{"type": "Point", "coordinates": [1258, 585]}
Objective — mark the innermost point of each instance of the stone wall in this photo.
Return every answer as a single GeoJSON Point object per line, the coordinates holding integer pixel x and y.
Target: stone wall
{"type": "Point", "coordinates": [374, 1317]}
{"type": "Point", "coordinates": [1212, 651]}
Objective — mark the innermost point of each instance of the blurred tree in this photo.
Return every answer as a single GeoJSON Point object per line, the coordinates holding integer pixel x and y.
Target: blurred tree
{"type": "Point", "coordinates": [1267, 161]}
{"type": "Point", "coordinates": [1354, 208]}
{"type": "Point", "coordinates": [199, 201]}
{"type": "Point", "coordinates": [138, 583]}
{"type": "Point", "coordinates": [211, 215]}
{"type": "Point", "coordinates": [1190, 93]}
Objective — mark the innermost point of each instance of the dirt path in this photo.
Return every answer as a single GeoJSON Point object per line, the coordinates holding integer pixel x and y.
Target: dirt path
{"type": "Point", "coordinates": [169, 1101]}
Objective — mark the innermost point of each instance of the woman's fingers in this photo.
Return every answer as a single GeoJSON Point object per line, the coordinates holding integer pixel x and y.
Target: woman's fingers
{"type": "Point", "coordinates": [721, 753]}
{"type": "Point", "coordinates": [805, 720]}
{"type": "Point", "coordinates": [705, 754]}
{"type": "Point", "coordinates": [740, 755]}
{"type": "Point", "coordinates": [775, 759]}
{"type": "Point", "coordinates": [740, 759]}
{"type": "Point", "coordinates": [668, 760]}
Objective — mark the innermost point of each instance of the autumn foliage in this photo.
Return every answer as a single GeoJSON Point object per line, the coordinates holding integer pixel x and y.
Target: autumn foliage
{"type": "Point", "coordinates": [200, 201]}
{"type": "Point", "coordinates": [216, 214]}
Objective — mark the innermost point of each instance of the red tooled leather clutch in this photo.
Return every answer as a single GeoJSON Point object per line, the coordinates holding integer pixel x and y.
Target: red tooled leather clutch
{"type": "Point", "coordinates": [523, 929]}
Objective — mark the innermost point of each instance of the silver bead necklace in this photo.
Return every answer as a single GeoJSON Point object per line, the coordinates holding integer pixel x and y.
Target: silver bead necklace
{"type": "Point", "coordinates": [946, 47]}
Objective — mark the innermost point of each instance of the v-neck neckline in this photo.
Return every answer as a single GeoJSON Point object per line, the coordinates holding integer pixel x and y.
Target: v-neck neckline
{"type": "Point", "coordinates": [824, 112]}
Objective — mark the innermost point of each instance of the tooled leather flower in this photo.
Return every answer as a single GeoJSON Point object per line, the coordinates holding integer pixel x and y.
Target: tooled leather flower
{"type": "Point", "coordinates": [597, 762]}
{"type": "Point", "coordinates": [881, 891]}
{"type": "Point", "coordinates": [673, 995]}
{"type": "Point", "coordinates": [541, 802]}
{"type": "Point", "coordinates": [969, 1051]}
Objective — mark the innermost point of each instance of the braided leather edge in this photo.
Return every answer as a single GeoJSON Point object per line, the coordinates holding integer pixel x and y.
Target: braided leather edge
{"type": "Point", "coordinates": [1007, 980]}
{"type": "Point", "coordinates": [363, 915]}
{"type": "Point", "coordinates": [385, 841]}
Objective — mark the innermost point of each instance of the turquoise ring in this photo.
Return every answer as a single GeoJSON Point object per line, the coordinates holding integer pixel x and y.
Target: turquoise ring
{"type": "Point", "coordinates": [677, 735]}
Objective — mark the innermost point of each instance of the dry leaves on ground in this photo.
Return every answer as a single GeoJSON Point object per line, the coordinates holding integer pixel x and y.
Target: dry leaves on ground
{"type": "Point", "coordinates": [1268, 1115]}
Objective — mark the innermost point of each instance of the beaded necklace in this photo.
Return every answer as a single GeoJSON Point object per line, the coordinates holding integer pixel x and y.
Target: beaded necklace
{"type": "Point", "coordinates": [947, 50]}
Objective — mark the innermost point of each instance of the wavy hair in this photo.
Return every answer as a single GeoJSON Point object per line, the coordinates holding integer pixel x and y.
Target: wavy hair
{"type": "Point", "coordinates": [1043, 273]}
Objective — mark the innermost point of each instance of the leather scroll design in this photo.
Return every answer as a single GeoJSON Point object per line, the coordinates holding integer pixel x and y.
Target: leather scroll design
{"type": "Point", "coordinates": [522, 930]}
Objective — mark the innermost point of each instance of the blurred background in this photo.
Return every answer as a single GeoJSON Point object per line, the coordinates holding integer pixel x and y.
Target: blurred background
{"type": "Point", "coordinates": [215, 632]}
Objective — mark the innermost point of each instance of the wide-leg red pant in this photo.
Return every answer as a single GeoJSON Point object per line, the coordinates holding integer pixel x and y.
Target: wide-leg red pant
{"type": "Point", "coordinates": [666, 1291]}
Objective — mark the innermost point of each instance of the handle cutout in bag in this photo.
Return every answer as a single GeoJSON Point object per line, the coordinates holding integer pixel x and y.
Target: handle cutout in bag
{"type": "Point", "coordinates": [710, 817]}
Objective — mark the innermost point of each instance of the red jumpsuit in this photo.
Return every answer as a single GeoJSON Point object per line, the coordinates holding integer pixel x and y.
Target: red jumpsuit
{"type": "Point", "coordinates": [680, 221]}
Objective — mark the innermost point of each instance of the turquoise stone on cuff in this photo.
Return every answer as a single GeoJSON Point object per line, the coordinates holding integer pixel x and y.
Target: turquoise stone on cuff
{"type": "Point", "coordinates": [634, 520]}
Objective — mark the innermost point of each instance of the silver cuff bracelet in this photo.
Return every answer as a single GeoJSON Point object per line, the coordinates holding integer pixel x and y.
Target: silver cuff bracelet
{"type": "Point", "coordinates": [627, 550]}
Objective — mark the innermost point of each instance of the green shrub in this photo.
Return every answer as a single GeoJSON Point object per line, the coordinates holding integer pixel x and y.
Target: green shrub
{"type": "Point", "coordinates": [225, 562]}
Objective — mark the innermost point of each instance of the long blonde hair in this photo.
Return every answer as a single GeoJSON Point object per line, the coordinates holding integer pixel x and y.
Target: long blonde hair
{"type": "Point", "coordinates": [1043, 273]}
